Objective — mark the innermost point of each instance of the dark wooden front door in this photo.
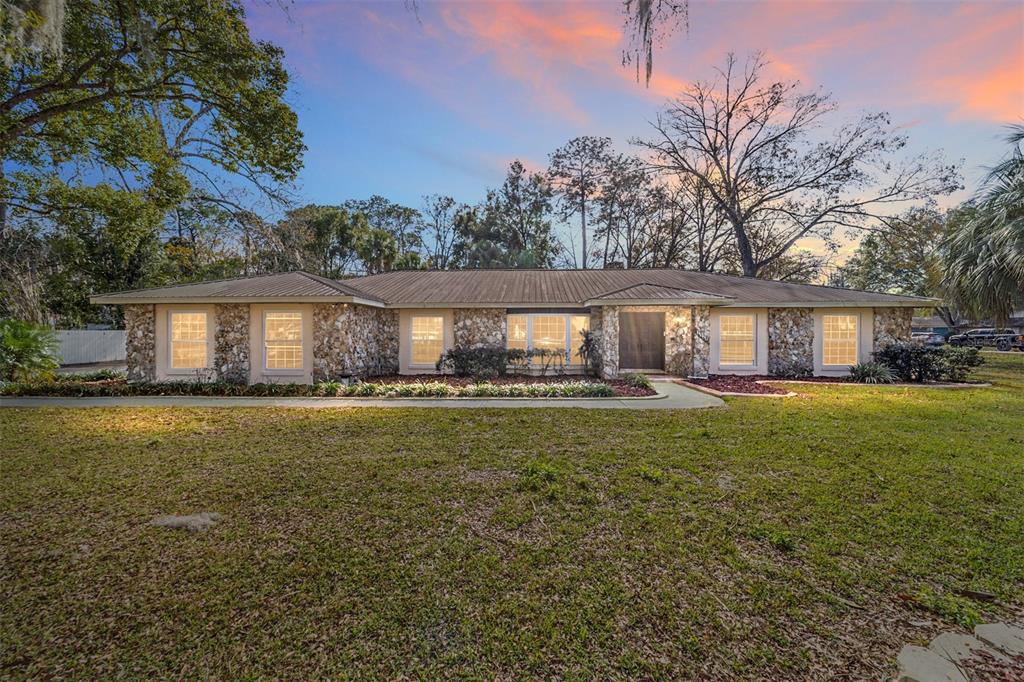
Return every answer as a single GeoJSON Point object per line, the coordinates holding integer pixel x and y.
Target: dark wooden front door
{"type": "Point", "coordinates": [642, 340]}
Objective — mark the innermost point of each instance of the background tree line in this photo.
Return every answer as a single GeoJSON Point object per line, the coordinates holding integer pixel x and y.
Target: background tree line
{"type": "Point", "coordinates": [148, 142]}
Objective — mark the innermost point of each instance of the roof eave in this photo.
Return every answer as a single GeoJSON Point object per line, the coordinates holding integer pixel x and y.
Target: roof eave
{"type": "Point", "coordinates": [657, 301]}
{"type": "Point", "coordinates": [923, 303]}
{"type": "Point", "coordinates": [148, 300]}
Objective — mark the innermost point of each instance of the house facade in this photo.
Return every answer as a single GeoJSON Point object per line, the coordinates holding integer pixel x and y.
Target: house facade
{"type": "Point", "coordinates": [298, 327]}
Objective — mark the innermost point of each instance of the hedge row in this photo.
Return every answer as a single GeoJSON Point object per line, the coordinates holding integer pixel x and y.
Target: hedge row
{"type": "Point", "coordinates": [567, 389]}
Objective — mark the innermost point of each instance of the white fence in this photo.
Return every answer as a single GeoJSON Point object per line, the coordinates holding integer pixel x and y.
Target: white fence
{"type": "Point", "coordinates": [83, 346]}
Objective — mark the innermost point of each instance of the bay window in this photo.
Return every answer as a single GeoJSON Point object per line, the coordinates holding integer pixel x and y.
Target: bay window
{"type": "Point", "coordinates": [282, 340]}
{"type": "Point", "coordinates": [736, 340]}
{"type": "Point", "coordinates": [839, 340]}
{"type": "Point", "coordinates": [427, 340]}
{"type": "Point", "coordinates": [188, 340]}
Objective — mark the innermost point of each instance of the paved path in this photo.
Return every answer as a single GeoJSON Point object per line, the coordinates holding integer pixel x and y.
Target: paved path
{"type": "Point", "coordinates": [670, 397]}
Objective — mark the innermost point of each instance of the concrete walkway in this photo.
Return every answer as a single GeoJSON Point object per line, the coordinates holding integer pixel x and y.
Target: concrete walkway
{"type": "Point", "coordinates": [670, 396]}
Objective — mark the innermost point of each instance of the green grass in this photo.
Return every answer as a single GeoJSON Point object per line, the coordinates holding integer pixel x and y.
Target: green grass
{"type": "Point", "coordinates": [794, 538]}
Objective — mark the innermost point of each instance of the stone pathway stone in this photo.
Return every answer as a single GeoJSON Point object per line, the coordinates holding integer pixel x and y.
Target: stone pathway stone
{"type": "Point", "coordinates": [995, 651]}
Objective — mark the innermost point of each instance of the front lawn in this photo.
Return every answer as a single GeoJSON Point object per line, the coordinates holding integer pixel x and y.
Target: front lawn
{"type": "Point", "coordinates": [809, 537]}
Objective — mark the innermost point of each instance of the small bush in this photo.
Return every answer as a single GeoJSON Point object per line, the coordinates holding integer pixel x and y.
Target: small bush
{"type": "Point", "coordinates": [590, 352]}
{"type": "Point", "coordinates": [872, 373]}
{"type": "Point", "coordinates": [638, 380]}
{"type": "Point", "coordinates": [790, 370]}
{"type": "Point", "coordinates": [97, 375]}
{"type": "Point", "coordinates": [27, 351]}
{"type": "Point", "coordinates": [482, 362]}
{"type": "Point", "coordinates": [956, 364]}
{"type": "Point", "coordinates": [910, 361]}
{"type": "Point", "coordinates": [915, 362]}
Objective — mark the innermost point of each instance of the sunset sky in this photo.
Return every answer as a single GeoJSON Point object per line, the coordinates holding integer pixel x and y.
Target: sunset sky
{"type": "Point", "coordinates": [404, 103]}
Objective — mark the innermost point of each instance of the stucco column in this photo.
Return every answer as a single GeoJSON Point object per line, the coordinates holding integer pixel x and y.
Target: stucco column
{"type": "Point", "coordinates": [701, 340]}
{"type": "Point", "coordinates": [609, 342]}
{"type": "Point", "coordinates": [140, 342]}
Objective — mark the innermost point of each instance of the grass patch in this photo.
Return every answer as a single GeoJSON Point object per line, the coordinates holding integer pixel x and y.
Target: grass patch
{"type": "Point", "coordinates": [772, 539]}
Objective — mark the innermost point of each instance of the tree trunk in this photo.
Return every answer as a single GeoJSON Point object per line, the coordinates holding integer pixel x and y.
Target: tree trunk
{"type": "Point", "coordinates": [583, 226]}
{"type": "Point", "coordinates": [746, 254]}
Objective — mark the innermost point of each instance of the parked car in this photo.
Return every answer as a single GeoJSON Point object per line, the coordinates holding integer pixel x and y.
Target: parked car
{"type": "Point", "coordinates": [928, 338]}
{"type": "Point", "coordinates": [989, 337]}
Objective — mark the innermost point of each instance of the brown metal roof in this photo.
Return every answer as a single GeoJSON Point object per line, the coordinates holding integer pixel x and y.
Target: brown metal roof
{"type": "Point", "coordinates": [518, 288]}
{"type": "Point", "coordinates": [288, 286]}
{"type": "Point", "coordinates": [441, 288]}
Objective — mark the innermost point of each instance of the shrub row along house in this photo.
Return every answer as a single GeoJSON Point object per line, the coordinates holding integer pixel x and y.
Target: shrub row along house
{"type": "Point", "coordinates": [298, 327]}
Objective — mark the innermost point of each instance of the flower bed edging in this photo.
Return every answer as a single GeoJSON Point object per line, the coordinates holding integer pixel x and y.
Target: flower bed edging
{"type": "Point", "coordinates": [723, 394]}
{"type": "Point", "coordinates": [902, 384]}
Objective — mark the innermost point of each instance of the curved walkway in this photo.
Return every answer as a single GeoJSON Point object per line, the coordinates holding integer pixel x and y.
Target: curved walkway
{"type": "Point", "coordinates": [670, 396]}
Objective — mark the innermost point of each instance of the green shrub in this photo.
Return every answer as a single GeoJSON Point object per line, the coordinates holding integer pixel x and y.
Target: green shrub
{"type": "Point", "coordinates": [956, 364]}
{"type": "Point", "coordinates": [915, 362]}
{"type": "Point", "coordinates": [590, 352]}
{"type": "Point", "coordinates": [97, 375]}
{"type": "Point", "coordinates": [638, 380]}
{"type": "Point", "coordinates": [872, 373]}
{"type": "Point", "coordinates": [910, 361]}
{"type": "Point", "coordinates": [27, 351]}
{"type": "Point", "coordinates": [482, 362]}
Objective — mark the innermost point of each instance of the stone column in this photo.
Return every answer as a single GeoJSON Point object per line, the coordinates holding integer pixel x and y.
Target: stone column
{"type": "Point", "coordinates": [701, 340]}
{"type": "Point", "coordinates": [609, 342]}
{"type": "Point", "coordinates": [679, 340]}
{"type": "Point", "coordinates": [479, 327]}
{"type": "Point", "coordinates": [891, 325]}
{"type": "Point", "coordinates": [231, 342]}
{"type": "Point", "coordinates": [790, 341]}
{"type": "Point", "coordinates": [140, 342]}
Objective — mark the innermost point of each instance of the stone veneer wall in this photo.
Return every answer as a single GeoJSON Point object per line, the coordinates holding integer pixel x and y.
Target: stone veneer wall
{"type": "Point", "coordinates": [353, 340]}
{"type": "Point", "coordinates": [609, 341]}
{"type": "Point", "coordinates": [231, 342]}
{"type": "Point", "coordinates": [140, 342]}
{"type": "Point", "coordinates": [475, 327]}
{"type": "Point", "coordinates": [701, 340]}
{"type": "Point", "coordinates": [891, 325]}
{"type": "Point", "coordinates": [790, 341]}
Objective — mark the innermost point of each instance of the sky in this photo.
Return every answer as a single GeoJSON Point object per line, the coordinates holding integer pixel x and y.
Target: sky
{"type": "Point", "coordinates": [439, 99]}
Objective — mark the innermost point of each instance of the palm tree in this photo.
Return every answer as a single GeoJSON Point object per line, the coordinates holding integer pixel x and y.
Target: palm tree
{"type": "Point", "coordinates": [985, 254]}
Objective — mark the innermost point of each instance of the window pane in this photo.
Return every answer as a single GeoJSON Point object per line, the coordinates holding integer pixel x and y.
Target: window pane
{"type": "Point", "coordinates": [839, 340]}
{"type": "Point", "coordinates": [737, 340]}
{"type": "Point", "coordinates": [282, 337]}
{"type": "Point", "coordinates": [549, 333]}
{"type": "Point", "coordinates": [188, 340]}
{"type": "Point", "coordinates": [577, 325]}
{"type": "Point", "coordinates": [517, 331]}
{"type": "Point", "coordinates": [427, 340]}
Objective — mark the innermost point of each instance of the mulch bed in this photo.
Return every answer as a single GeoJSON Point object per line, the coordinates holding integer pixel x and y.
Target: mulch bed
{"type": "Point", "coordinates": [728, 383]}
{"type": "Point", "coordinates": [622, 389]}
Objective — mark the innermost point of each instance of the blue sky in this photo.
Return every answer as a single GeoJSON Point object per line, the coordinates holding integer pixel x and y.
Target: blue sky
{"type": "Point", "coordinates": [404, 103]}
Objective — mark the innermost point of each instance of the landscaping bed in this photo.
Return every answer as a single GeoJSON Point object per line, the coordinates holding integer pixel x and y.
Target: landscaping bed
{"type": "Point", "coordinates": [381, 387]}
{"type": "Point", "coordinates": [727, 383]}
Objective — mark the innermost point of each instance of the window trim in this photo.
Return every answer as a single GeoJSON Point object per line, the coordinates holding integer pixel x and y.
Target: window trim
{"type": "Point", "coordinates": [856, 340]}
{"type": "Point", "coordinates": [570, 351]}
{"type": "Point", "coordinates": [753, 337]}
{"type": "Point", "coordinates": [422, 365]}
{"type": "Point", "coordinates": [292, 371]}
{"type": "Point", "coordinates": [171, 369]}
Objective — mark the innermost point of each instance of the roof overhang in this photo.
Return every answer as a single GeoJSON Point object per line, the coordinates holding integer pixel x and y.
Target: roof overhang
{"type": "Point", "coordinates": [924, 303]}
{"type": "Point", "coordinates": [658, 301]}
{"type": "Point", "coordinates": [114, 299]}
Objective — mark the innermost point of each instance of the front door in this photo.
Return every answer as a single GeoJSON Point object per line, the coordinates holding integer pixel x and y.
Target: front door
{"type": "Point", "coordinates": [642, 341]}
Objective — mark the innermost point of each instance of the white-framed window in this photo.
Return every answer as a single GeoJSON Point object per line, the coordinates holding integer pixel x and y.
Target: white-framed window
{"type": "Point", "coordinates": [558, 332]}
{"type": "Point", "coordinates": [427, 339]}
{"type": "Point", "coordinates": [839, 340]}
{"type": "Point", "coordinates": [188, 339]}
{"type": "Point", "coordinates": [282, 340]}
{"type": "Point", "coordinates": [736, 340]}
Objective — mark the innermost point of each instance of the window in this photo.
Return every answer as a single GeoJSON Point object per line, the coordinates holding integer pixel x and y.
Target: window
{"type": "Point", "coordinates": [427, 340]}
{"type": "Point", "coordinates": [839, 340]}
{"type": "Point", "coordinates": [736, 340]}
{"type": "Point", "coordinates": [282, 338]}
{"type": "Point", "coordinates": [517, 331]}
{"type": "Point", "coordinates": [577, 325]}
{"type": "Point", "coordinates": [188, 340]}
{"type": "Point", "coordinates": [545, 331]}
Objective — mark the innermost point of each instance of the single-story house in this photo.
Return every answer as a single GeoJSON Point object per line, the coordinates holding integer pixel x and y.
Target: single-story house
{"type": "Point", "coordinates": [298, 327]}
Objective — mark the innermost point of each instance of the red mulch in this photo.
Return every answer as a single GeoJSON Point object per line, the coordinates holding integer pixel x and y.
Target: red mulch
{"type": "Point", "coordinates": [728, 383]}
{"type": "Point", "coordinates": [622, 389]}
